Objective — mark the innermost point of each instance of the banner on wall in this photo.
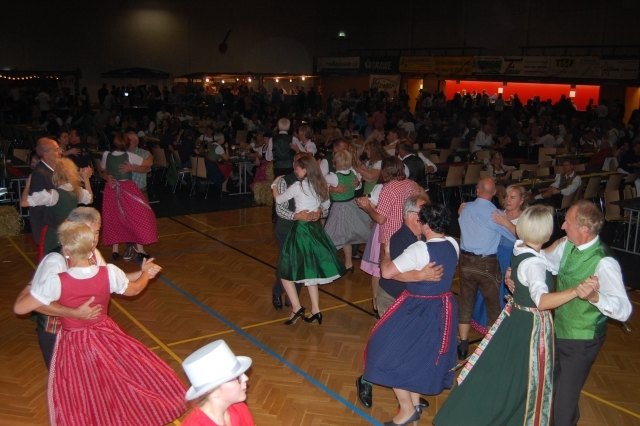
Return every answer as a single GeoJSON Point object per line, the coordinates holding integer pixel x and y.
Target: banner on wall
{"type": "Point", "coordinates": [622, 69]}
{"type": "Point", "coordinates": [453, 65]}
{"type": "Point", "coordinates": [557, 67]}
{"type": "Point", "coordinates": [417, 64]}
{"type": "Point", "coordinates": [488, 65]}
{"type": "Point", "coordinates": [388, 83]}
{"type": "Point", "coordinates": [574, 66]}
{"type": "Point", "coordinates": [338, 64]}
{"type": "Point", "coordinates": [379, 64]}
{"type": "Point", "coordinates": [530, 66]}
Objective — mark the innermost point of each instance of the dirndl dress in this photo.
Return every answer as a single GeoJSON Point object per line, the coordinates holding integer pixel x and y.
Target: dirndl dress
{"type": "Point", "coordinates": [413, 345]}
{"type": "Point", "coordinates": [515, 360]}
{"type": "Point", "coordinates": [370, 262]}
{"type": "Point", "coordinates": [101, 376]}
{"type": "Point", "coordinates": [308, 256]}
{"type": "Point", "coordinates": [347, 223]}
{"type": "Point", "coordinates": [127, 216]}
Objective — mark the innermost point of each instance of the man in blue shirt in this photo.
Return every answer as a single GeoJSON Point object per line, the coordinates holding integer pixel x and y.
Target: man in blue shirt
{"type": "Point", "coordinates": [479, 267]}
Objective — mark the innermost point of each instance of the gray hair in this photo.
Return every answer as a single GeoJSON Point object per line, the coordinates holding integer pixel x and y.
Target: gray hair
{"type": "Point", "coordinates": [411, 205]}
{"type": "Point", "coordinates": [284, 124]}
{"type": "Point", "coordinates": [84, 215]}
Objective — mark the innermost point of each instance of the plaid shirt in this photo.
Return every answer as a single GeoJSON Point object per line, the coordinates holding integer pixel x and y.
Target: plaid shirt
{"type": "Point", "coordinates": [140, 179]}
{"type": "Point", "coordinates": [392, 199]}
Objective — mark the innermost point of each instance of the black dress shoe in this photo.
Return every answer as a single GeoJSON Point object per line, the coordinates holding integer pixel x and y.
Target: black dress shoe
{"type": "Point", "coordinates": [314, 317]}
{"type": "Point", "coordinates": [276, 300]}
{"type": "Point", "coordinates": [423, 404]}
{"type": "Point", "coordinates": [463, 349]}
{"type": "Point", "coordinates": [365, 392]}
{"type": "Point", "coordinates": [295, 317]}
{"type": "Point", "coordinates": [413, 419]}
{"type": "Point", "coordinates": [115, 255]}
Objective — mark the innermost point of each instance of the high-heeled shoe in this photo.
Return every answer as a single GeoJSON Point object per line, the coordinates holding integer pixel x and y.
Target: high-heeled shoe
{"type": "Point", "coordinates": [413, 419]}
{"type": "Point", "coordinates": [348, 271]}
{"type": "Point", "coordinates": [297, 315]}
{"type": "Point", "coordinates": [314, 317]}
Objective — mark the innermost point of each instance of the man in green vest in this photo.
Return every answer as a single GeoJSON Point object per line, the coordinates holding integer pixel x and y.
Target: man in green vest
{"type": "Point", "coordinates": [581, 325]}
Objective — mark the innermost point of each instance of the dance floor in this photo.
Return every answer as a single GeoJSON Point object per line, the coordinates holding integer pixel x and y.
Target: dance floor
{"type": "Point", "coordinates": [216, 284]}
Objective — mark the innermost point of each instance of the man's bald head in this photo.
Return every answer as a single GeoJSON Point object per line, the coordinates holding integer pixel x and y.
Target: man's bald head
{"type": "Point", "coordinates": [486, 188]}
{"type": "Point", "coordinates": [48, 150]}
{"type": "Point", "coordinates": [44, 144]}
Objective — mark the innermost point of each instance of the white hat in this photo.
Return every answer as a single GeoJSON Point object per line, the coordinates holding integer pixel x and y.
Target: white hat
{"type": "Point", "coordinates": [212, 365]}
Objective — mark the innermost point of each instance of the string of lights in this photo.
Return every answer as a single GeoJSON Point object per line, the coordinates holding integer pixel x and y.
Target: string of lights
{"type": "Point", "coordinates": [29, 77]}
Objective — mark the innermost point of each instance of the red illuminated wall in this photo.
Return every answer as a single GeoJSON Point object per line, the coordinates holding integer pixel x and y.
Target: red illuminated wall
{"type": "Point", "coordinates": [526, 91]}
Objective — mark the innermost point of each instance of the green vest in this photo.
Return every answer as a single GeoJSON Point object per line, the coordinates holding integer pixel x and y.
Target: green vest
{"type": "Point", "coordinates": [579, 319]}
{"type": "Point", "coordinates": [113, 166]}
{"type": "Point", "coordinates": [67, 201]}
{"type": "Point", "coordinates": [348, 182]}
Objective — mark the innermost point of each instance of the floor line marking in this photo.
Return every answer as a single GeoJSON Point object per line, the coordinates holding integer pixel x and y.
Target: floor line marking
{"type": "Point", "coordinates": [611, 404]}
{"type": "Point", "coordinates": [147, 331]}
{"type": "Point", "coordinates": [176, 234]}
{"type": "Point", "coordinates": [224, 227]}
{"type": "Point", "coordinates": [247, 327]}
{"type": "Point", "coordinates": [117, 305]}
{"type": "Point", "coordinates": [269, 351]}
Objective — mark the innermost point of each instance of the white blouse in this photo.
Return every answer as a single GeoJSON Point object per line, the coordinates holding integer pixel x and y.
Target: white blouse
{"type": "Point", "coordinates": [50, 197]}
{"type": "Point", "coordinates": [304, 196]}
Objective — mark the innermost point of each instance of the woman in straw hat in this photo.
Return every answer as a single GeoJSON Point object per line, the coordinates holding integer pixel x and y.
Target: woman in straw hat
{"type": "Point", "coordinates": [218, 387]}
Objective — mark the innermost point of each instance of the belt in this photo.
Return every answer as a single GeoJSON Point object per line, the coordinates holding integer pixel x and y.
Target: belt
{"type": "Point", "coordinates": [468, 253]}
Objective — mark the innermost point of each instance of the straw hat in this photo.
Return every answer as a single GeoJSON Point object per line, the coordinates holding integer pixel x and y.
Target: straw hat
{"type": "Point", "coordinates": [212, 365]}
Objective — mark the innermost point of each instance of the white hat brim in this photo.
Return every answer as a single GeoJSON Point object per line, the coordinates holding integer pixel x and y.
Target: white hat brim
{"type": "Point", "coordinates": [192, 393]}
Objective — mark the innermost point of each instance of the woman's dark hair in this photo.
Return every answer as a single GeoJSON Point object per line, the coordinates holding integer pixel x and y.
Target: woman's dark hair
{"type": "Point", "coordinates": [437, 216]}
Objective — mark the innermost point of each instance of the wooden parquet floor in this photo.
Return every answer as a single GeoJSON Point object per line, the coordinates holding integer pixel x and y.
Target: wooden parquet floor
{"type": "Point", "coordinates": [218, 273]}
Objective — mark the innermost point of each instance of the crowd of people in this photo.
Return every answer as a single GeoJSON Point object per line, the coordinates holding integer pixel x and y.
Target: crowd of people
{"type": "Point", "coordinates": [359, 189]}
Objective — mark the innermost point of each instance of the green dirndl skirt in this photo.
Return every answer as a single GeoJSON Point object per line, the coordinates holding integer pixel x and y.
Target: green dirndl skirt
{"type": "Point", "coordinates": [308, 256]}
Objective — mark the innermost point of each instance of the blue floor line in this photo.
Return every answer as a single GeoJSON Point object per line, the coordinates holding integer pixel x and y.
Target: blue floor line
{"type": "Point", "coordinates": [269, 351]}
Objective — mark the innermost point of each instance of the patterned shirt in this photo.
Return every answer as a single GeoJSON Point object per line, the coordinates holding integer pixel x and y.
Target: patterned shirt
{"type": "Point", "coordinates": [392, 199]}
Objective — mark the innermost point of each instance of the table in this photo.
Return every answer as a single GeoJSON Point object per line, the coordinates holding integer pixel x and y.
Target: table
{"type": "Point", "coordinates": [529, 183]}
{"type": "Point", "coordinates": [243, 173]}
{"type": "Point", "coordinates": [632, 205]}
